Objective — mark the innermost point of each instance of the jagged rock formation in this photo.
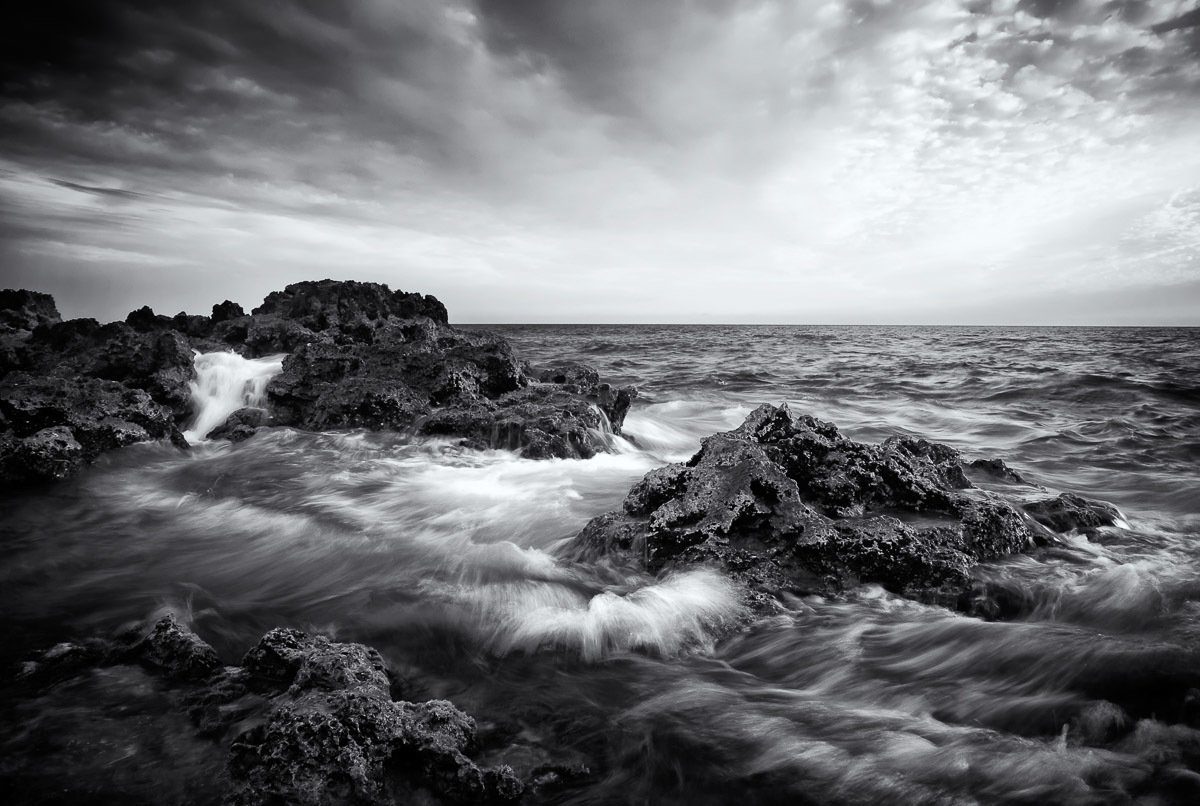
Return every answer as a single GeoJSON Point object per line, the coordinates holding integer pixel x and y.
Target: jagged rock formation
{"type": "Point", "coordinates": [787, 503]}
{"type": "Point", "coordinates": [360, 355]}
{"type": "Point", "coordinates": [303, 719]}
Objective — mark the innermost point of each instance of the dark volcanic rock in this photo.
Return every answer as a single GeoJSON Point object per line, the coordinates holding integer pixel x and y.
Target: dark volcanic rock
{"type": "Point", "coordinates": [1067, 512]}
{"type": "Point", "coordinates": [540, 421]}
{"type": "Point", "coordinates": [54, 425]}
{"type": "Point", "coordinates": [417, 373]}
{"type": "Point", "coordinates": [336, 736]}
{"type": "Point", "coordinates": [241, 425]}
{"type": "Point", "coordinates": [996, 468]}
{"type": "Point", "coordinates": [789, 503]}
{"type": "Point", "coordinates": [158, 362]}
{"type": "Point", "coordinates": [224, 311]}
{"type": "Point", "coordinates": [351, 308]}
{"type": "Point", "coordinates": [22, 310]}
{"type": "Point", "coordinates": [48, 454]}
{"type": "Point", "coordinates": [359, 356]}
{"type": "Point", "coordinates": [176, 652]}
{"type": "Point", "coordinates": [304, 719]}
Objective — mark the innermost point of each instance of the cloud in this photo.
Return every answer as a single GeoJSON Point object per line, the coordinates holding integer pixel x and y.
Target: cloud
{"type": "Point", "coordinates": [604, 159]}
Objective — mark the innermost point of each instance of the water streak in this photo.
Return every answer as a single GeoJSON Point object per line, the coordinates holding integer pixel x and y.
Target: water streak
{"type": "Point", "coordinates": [226, 382]}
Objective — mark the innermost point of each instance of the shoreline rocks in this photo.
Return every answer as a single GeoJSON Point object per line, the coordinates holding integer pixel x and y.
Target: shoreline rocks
{"type": "Point", "coordinates": [359, 356]}
{"type": "Point", "coordinates": [302, 719]}
{"type": "Point", "coordinates": [786, 503]}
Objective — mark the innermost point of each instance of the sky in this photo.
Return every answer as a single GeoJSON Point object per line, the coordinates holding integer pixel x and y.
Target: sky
{"type": "Point", "coordinates": [833, 161]}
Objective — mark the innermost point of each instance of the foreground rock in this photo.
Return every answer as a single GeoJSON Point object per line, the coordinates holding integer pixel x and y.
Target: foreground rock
{"type": "Point", "coordinates": [304, 719]}
{"type": "Point", "coordinates": [359, 356]}
{"type": "Point", "coordinates": [787, 503]}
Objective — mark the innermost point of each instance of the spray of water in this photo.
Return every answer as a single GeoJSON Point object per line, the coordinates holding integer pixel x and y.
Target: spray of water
{"type": "Point", "coordinates": [226, 382]}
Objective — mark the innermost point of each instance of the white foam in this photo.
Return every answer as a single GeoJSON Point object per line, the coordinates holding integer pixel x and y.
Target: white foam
{"type": "Point", "coordinates": [679, 612]}
{"type": "Point", "coordinates": [226, 382]}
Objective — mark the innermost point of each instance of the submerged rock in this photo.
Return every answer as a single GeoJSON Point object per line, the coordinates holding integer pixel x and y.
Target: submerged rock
{"type": "Point", "coordinates": [787, 503]}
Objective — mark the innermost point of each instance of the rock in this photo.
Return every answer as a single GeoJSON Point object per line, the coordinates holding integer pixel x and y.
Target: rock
{"type": "Point", "coordinates": [583, 379]}
{"type": "Point", "coordinates": [1068, 512]}
{"type": "Point", "coordinates": [224, 311]}
{"type": "Point", "coordinates": [145, 320]}
{"type": "Point", "coordinates": [240, 425]}
{"type": "Point", "coordinates": [290, 659]}
{"type": "Point", "coordinates": [312, 720]}
{"type": "Point", "coordinates": [786, 503]}
{"type": "Point", "coordinates": [158, 362]}
{"type": "Point", "coordinates": [615, 403]}
{"type": "Point", "coordinates": [349, 307]}
{"type": "Point", "coordinates": [22, 310]}
{"type": "Point", "coordinates": [47, 455]}
{"type": "Point", "coordinates": [193, 326]}
{"type": "Point", "coordinates": [176, 652]}
{"type": "Point", "coordinates": [336, 736]}
{"type": "Point", "coordinates": [359, 355]}
{"type": "Point", "coordinates": [579, 377]}
{"type": "Point", "coordinates": [996, 468]}
{"type": "Point", "coordinates": [55, 425]}
{"type": "Point", "coordinates": [539, 422]}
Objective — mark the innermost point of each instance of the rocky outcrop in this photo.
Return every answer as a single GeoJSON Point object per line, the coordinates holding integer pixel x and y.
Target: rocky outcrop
{"type": "Point", "coordinates": [365, 357]}
{"type": "Point", "coordinates": [54, 425]}
{"type": "Point", "coordinates": [787, 503]}
{"type": "Point", "coordinates": [334, 735]}
{"type": "Point", "coordinates": [304, 719]}
{"type": "Point", "coordinates": [359, 356]}
{"type": "Point", "coordinates": [1067, 512]}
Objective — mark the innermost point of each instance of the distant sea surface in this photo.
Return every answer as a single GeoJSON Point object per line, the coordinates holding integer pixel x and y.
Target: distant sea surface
{"type": "Point", "coordinates": [448, 561]}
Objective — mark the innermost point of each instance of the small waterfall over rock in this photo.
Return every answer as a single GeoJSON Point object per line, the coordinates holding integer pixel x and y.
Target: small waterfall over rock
{"type": "Point", "coordinates": [226, 382]}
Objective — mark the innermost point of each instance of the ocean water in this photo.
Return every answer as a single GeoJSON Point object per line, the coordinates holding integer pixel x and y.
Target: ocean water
{"type": "Point", "coordinates": [448, 561]}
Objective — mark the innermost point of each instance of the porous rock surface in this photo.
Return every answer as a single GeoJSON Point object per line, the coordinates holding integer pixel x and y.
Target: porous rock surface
{"type": "Point", "coordinates": [788, 503]}
{"type": "Point", "coordinates": [303, 719]}
{"type": "Point", "coordinates": [359, 356]}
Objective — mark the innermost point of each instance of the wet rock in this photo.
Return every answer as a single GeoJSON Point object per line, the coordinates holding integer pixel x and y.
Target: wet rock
{"type": "Point", "coordinates": [787, 503]}
{"type": "Point", "coordinates": [996, 468]}
{"type": "Point", "coordinates": [615, 403]}
{"type": "Point", "coordinates": [240, 425]}
{"type": "Point", "coordinates": [579, 377]}
{"type": "Point", "coordinates": [359, 355]}
{"type": "Point", "coordinates": [1067, 512]}
{"type": "Point", "coordinates": [290, 659]}
{"type": "Point", "coordinates": [158, 362]}
{"type": "Point", "coordinates": [308, 719]}
{"type": "Point", "coordinates": [64, 661]}
{"type": "Point", "coordinates": [176, 652]}
{"type": "Point", "coordinates": [539, 422]}
{"type": "Point", "coordinates": [55, 425]}
{"type": "Point", "coordinates": [336, 736]}
{"type": "Point", "coordinates": [47, 455]}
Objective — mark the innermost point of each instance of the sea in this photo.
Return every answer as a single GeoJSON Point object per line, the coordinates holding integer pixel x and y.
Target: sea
{"type": "Point", "coordinates": [451, 563]}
